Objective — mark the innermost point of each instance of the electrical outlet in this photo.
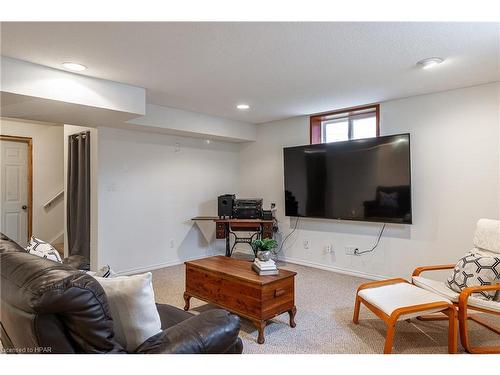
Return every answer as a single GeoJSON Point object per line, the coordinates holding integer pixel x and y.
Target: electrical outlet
{"type": "Point", "coordinates": [172, 244]}
{"type": "Point", "coordinates": [306, 244]}
{"type": "Point", "coordinates": [328, 249]}
{"type": "Point", "coordinates": [351, 250]}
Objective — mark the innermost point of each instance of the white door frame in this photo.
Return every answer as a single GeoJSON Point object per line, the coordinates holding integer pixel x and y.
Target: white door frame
{"type": "Point", "coordinates": [29, 141]}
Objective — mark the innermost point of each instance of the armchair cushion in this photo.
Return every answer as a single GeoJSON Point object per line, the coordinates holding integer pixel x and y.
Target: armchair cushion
{"type": "Point", "coordinates": [475, 270]}
{"type": "Point", "coordinates": [487, 235]}
{"type": "Point", "coordinates": [481, 303]}
{"type": "Point", "coordinates": [437, 287]}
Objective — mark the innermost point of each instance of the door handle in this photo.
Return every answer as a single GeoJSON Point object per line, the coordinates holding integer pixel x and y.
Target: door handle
{"type": "Point", "coordinates": [24, 207]}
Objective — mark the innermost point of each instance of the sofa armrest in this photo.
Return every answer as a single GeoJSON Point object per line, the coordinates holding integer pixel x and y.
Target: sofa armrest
{"type": "Point", "coordinates": [419, 270]}
{"type": "Point", "coordinates": [211, 332]}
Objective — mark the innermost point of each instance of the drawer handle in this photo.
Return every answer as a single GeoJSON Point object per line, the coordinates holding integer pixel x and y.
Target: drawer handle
{"type": "Point", "coordinates": [279, 292]}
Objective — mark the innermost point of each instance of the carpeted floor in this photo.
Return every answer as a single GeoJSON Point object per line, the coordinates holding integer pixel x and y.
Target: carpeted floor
{"type": "Point", "coordinates": [324, 303]}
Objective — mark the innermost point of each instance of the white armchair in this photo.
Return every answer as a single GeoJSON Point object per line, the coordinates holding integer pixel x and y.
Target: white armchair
{"type": "Point", "coordinates": [486, 243]}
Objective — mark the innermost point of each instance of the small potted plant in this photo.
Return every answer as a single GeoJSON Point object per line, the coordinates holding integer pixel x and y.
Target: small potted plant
{"type": "Point", "coordinates": [264, 248]}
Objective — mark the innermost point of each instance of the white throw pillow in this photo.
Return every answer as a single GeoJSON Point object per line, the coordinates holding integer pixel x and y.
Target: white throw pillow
{"type": "Point", "coordinates": [43, 249]}
{"type": "Point", "coordinates": [132, 306]}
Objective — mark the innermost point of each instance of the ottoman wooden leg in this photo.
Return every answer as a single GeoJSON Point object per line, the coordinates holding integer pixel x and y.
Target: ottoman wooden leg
{"type": "Point", "coordinates": [357, 305]}
{"type": "Point", "coordinates": [389, 337]}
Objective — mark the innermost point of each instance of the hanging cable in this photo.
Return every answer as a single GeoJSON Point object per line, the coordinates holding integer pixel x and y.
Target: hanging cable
{"type": "Point", "coordinates": [356, 252]}
{"type": "Point", "coordinates": [288, 235]}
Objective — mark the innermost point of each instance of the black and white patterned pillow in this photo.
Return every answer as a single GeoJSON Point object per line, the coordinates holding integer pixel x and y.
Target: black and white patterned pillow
{"type": "Point", "coordinates": [43, 250]}
{"type": "Point", "coordinates": [475, 270]}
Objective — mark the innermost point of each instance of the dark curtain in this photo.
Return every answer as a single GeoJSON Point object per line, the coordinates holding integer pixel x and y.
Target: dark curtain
{"type": "Point", "coordinates": [78, 194]}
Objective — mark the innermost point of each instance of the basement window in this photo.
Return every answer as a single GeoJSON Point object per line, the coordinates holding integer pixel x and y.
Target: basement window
{"type": "Point", "coordinates": [345, 124]}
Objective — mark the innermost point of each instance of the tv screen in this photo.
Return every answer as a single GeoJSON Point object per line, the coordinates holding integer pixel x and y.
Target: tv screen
{"type": "Point", "coordinates": [364, 179]}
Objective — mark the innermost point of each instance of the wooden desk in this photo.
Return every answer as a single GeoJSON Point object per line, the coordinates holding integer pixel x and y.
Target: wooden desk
{"type": "Point", "coordinates": [225, 227]}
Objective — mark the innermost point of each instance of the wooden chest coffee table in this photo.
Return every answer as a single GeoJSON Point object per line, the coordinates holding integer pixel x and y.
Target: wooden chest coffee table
{"type": "Point", "coordinates": [233, 285]}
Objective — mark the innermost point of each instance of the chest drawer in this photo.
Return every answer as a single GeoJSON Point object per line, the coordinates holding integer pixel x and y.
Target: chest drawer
{"type": "Point", "coordinates": [236, 296]}
{"type": "Point", "coordinates": [278, 297]}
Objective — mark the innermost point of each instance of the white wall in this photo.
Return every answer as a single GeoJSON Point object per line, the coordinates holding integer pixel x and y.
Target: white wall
{"type": "Point", "coordinates": [48, 174]}
{"type": "Point", "coordinates": [455, 151]}
{"type": "Point", "coordinates": [150, 186]}
{"type": "Point", "coordinates": [192, 124]}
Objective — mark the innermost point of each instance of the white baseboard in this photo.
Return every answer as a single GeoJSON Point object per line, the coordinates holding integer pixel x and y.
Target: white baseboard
{"type": "Point", "coordinates": [343, 271]}
{"type": "Point", "coordinates": [301, 262]}
{"type": "Point", "coordinates": [156, 266]}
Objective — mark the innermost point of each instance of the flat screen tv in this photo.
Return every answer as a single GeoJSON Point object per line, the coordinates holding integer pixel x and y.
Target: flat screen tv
{"type": "Point", "coordinates": [363, 180]}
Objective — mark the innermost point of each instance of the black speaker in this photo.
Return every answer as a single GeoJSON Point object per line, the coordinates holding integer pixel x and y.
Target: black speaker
{"type": "Point", "coordinates": [225, 205]}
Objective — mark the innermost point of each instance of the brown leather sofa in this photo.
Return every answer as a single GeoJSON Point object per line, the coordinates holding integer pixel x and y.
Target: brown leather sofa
{"type": "Point", "coordinates": [49, 307]}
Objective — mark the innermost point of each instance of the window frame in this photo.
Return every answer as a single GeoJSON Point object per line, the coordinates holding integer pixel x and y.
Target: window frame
{"type": "Point", "coordinates": [316, 120]}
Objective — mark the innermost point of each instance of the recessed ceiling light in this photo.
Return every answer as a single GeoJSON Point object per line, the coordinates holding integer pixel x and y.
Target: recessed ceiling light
{"type": "Point", "coordinates": [74, 66]}
{"type": "Point", "coordinates": [430, 62]}
{"type": "Point", "coordinates": [243, 107]}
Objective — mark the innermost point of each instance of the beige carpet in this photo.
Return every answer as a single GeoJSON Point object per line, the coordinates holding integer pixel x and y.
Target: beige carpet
{"type": "Point", "coordinates": [324, 311]}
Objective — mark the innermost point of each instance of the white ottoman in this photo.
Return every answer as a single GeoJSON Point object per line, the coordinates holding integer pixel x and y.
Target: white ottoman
{"type": "Point", "coordinates": [395, 299]}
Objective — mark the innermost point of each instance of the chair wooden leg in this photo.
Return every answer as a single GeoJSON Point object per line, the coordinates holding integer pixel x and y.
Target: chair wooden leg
{"type": "Point", "coordinates": [464, 336]}
{"type": "Point", "coordinates": [462, 324]}
{"type": "Point", "coordinates": [357, 304]}
{"type": "Point", "coordinates": [389, 338]}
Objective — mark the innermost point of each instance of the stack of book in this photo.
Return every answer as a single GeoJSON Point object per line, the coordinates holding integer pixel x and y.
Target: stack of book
{"type": "Point", "coordinates": [265, 268]}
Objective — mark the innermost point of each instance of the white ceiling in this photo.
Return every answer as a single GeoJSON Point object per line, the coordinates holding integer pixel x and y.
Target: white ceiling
{"type": "Point", "coordinates": [280, 69]}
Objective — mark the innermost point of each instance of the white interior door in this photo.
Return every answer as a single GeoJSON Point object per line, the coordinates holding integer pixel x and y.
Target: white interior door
{"type": "Point", "coordinates": [14, 190]}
